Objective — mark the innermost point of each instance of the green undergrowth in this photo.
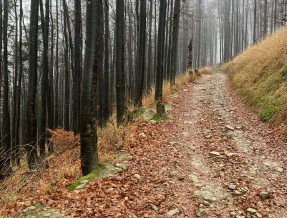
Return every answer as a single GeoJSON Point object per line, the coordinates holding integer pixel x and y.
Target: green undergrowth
{"type": "Point", "coordinates": [92, 176]}
{"type": "Point", "coordinates": [136, 113]}
{"type": "Point", "coordinates": [159, 119]}
{"type": "Point", "coordinates": [259, 75]}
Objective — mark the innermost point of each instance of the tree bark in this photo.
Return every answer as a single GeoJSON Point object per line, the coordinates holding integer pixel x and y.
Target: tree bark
{"type": "Point", "coordinates": [77, 65]}
{"type": "Point", "coordinates": [5, 152]}
{"type": "Point", "coordinates": [31, 124]}
{"type": "Point", "coordinates": [160, 56]}
{"type": "Point", "coordinates": [88, 129]}
{"type": "Point", "coordinates": [120, 63]}
{"type": "Point", "coordinates": [174, 51]}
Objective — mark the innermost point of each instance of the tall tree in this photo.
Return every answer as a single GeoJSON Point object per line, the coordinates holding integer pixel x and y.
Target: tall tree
{"type": "Point", "coordinates": [31, 124]}
{"type": "Point", "coordinates": [141, 55]}
{"type": "Point", "coordinates": [44, 79]}
{"type": "Point", "coordinates": [174, 50]}
{"type": "Point", "coordinates": [15, 157]}
{"type": "Point", "coordinates": [67, 69]}
{"type": "Point", "coordinates": [5, 152]}
{"type": "Point", "coordinates": [160, 56]}
{"type": "Point", "coordinates": [255, 21]}
{"type": "Point", "coordinates": [265, 19]}
{"type": "Point", "coordinates": [149, 68]}
{"type": "Point", "coordinates": [88, 130]}
{"type": "Point", "coordinates": [77, 64]}
{"type": "Point", "coordinates": [18, 97]}
{"type": "Point", "coordinates": [106, 106]}
{"type": "Point", "coordinates": [120, 62]}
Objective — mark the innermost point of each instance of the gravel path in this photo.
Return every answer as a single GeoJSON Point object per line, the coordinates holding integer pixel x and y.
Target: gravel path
{"type": "Point", "coordinates": [238, 165]}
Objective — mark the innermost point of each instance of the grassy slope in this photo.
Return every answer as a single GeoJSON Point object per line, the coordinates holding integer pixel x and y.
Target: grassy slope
{"type": "Point", "coordinates": [260, 75]}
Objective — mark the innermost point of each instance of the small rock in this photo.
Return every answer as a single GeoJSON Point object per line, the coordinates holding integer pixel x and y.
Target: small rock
{"type": "Point", "coordinates": [232, 214]}
{"type": "Point", "coordinates": [185, 133]}
{"type": "Point", "coordinates": [32, 208]}
{"type": "Point", "coordinates": [258, 215]}
{"type": "Point", "coordinates": [215, 153]}
{"type": "Point", "coordinates": [200, 212]}
{"type": "Point", "coordinates": [111, 189]}
{"type": "Point", "coordinates": [154, 207]}
{"type": "Point", "coordinates": [231, 154]}
{"type": "Point", "coordinates": [137, 176]}
{"type": "Point", "coordinates": [206, 203]}
{"type": "Point", "coordinates": [123, 166]}
{"type": "Point", "coordinates": [208, 198]}
{"type": "Point", "coordinates": [142, 135]}
{"type": "Point", "coordinates": [237, 192]}
{"type": "Point", "coordinates": [232, 187]}
{"type": "Point", "coordinates": [221, 165]}
{"type": "Point", "coordinates": [185, 90]}
{"type": "Point", "coordinates": [47, 215]}
{"type": "Point", "coordinates": [229, 128]}
{"type": "Point", "coordinates": [251, 210]}
{"type": "Point", "coordinates": [188, 122]}
{"type": "Point", "coordinates": [82, 185]}
{"type": "Point", "coordinates": [279, 169]}
{"type": "Point", "coordinates": [129, 158]}
{"type": "Point", "coordinates": [194, 178]}
{"type": "Point", "coordinates": [264, 195]}
{"type": "Point", "coordinates": [172, 212]}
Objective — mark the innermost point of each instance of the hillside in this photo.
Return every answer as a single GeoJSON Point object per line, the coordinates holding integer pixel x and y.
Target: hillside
{"type": "Point", "coordinates": [259, 75]}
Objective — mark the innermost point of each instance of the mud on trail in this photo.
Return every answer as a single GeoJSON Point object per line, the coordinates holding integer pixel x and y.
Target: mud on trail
{"type": "Point", "coordinates": [212, 158]}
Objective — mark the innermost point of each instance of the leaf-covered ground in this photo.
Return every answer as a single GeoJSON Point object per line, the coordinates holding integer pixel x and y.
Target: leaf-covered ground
{"type": "Point", "coordinates": [212, 158]}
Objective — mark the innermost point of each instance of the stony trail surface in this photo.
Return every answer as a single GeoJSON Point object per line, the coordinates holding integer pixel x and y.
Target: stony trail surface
{"type": "Point", "coordinates": [235, 159]}
{"type": "Point", "coordinates": [212, 158]}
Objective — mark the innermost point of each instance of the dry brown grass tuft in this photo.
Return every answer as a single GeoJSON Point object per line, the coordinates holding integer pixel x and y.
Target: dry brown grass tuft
{"type": "Point", "coordinates": [205, 70]}
{"type": "Point", "coordinates": [112, 138]}
{"type": "Point", "coordinates": [260, 75]}
{"type": "Point", "coordinates": [168, 90]}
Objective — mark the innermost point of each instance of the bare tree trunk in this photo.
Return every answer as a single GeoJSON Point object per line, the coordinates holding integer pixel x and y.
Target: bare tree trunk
{"type": "Point", "coordinates": [88, 130]}
{"type": "Point", "coordinates": [255, 21]}
{"type": "Point", "coordinates": [5, 152]}
{"type": "Point", "coordinates": [31, 124]}
{"type": "Point", "coordinates": [77, 64]}
{"type": "Point", "coordinates": [120, 63]}
{"type": "Point", "coordinates": [160, 56]}
{"type": "Point", "coordinates": [175, 31]}
{"type": "Point", "coordinates": [141, 55]}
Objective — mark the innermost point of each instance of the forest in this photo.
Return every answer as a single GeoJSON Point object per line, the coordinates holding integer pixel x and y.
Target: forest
{"type": "Point", "coordinates": [76, 67]}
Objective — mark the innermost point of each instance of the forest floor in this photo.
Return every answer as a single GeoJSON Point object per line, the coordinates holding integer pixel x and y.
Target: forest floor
{"type": "Point", "coordinates": [213, 157]}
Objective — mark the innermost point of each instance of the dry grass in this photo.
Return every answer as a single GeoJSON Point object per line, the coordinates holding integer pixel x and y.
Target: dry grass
{"type": "Point", "coordinates": [260, 75]}
{"type": "Point", "coordinates": [63, 166]}
{"type": "Point", "coordinates": [112, 139]}
{"type": "Point", "coordinates": [168, 90]}
{"type": "Point", "coordinates": [205, 70]}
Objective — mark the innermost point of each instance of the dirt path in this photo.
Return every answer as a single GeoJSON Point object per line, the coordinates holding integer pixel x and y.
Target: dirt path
{"type": "Point", "coordinates": [233, 156]}
{"type": "Point", "coordinates": [212, 158]}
